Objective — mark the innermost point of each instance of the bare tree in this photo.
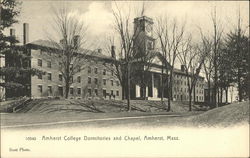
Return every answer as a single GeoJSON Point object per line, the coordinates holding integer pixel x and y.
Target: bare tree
{"type": "Point", "coordinates": [115, 64]}
{"type": "Point", "coordinates": [208, 66]}
{"type": "Point", "coordinates": [126, 37]}
{"type": "Point", "coordinates": [170, 34]}
{"type": "Point", "coordinates": [192, 58]}
{"type": "Point", "coordinates": [126, 54]}
{"type": "Point", "coordinates": [68, 53]}
{"type": "Point", "coordinates": [217, 37]}
{"type": "Point", "coordinates": [240, 55]}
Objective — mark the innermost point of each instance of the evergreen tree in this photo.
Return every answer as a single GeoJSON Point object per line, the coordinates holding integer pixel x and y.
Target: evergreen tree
{"type": "Point", "coordinates": [237, 54]}
{"type": "Point", "coordinates": [16, 72]}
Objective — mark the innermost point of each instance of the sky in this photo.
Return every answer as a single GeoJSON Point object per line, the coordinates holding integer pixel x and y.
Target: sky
{"type": "Point", "coordinates": [98, 17]}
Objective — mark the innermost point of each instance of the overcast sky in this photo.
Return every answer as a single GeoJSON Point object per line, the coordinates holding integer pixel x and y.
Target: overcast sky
{"type": "Point", "coordinates": [98, 15]}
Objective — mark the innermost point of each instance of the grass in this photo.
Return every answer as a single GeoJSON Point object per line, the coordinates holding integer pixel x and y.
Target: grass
{"type": "Point", "coordinates": [98, 106]}
{"type": "Point", "coordinates": [10, 105]}
{"type": "Point", "coordinates": [231, 114]}
{"type": "Point", "coordinates": [45, 110]}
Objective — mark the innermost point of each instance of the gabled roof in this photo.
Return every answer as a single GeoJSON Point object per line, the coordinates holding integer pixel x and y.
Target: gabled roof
{"type": "Point", "coordinates": [152, 54]}
{"type": "Point", "coordinates": [178, 71]}
{"type": "Point", "coordinates": [49, 44]}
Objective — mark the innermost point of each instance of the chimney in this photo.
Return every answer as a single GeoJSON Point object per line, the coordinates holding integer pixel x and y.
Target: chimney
{"type": "Point", "coordinates": [76, 41]}
{"type": "Point", "coordinates": [25, 33]}
{"type": "Point", "coordinates": [12, 32]}
{"type": "Point", "coordinates": [99, 51]}
{"type": "Point", "coordinates": [182, 68]}
{"type": "Point", "coordinates": [113, 51]}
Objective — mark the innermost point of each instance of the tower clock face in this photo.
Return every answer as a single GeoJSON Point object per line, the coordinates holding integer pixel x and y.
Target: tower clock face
{"type": "Point", "coordinates": [149, 30]}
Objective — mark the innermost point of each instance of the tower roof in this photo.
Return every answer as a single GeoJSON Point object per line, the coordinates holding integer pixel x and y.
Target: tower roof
{"type": "Point", "coordinates": [144, 18]}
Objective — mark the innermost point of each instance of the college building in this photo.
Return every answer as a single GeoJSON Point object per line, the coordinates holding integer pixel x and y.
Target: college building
{"type": "Point", "coordinates": [145, 44]}
{"type": "Point", "coordinates": [98, 79]}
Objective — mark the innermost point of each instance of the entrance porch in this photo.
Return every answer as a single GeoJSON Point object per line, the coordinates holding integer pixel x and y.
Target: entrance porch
{"type": "Point", "coordinates": [153, 89]}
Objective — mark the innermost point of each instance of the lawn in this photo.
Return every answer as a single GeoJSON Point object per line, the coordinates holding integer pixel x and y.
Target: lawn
{"type": "Point", "coordinates": [97, 106]}
{"type": "Point", "coordinates": [231, 114]}
{"type": "Point", "coordinates": [45, 111]}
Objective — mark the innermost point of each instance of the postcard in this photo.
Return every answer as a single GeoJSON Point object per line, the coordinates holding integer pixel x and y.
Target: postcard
{"type": "Point", "coordinates": [124, 78]}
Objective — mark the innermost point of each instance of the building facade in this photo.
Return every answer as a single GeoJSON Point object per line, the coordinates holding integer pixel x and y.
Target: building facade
{"type": "Point", "coordinates": [180, 87]}
{"type": "Point", "coordinates": [145, 45]}
{"type": "Point", "coordinates": [98, 79]}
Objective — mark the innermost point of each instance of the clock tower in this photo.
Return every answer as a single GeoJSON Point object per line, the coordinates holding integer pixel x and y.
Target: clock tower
{"type": "Point", "coordinates": [143, 30]}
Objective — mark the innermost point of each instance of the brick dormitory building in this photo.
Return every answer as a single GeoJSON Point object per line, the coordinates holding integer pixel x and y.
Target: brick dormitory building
{"type": "Point", "coordinates": [98, 78]}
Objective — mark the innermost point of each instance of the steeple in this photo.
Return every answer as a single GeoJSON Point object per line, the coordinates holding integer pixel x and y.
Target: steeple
{"type": "Point", "coordinates": [143, 24]}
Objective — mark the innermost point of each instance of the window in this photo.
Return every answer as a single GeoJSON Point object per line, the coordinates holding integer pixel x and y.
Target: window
{"type": "Point", "coordinates": [40, 76]}
{"type": "Point", "coordinates": [50, 90]}
{"type": "Point", "coordinates": [89, 92]}
{"type": "Point", "coordinates": [89, 70]}
{"type": "Point", "coordinates": [104, 81]}
{"type": "Point", "coordinates": [117, 83]}
{"type": "Point", "coordinates": [112, 93]}
{"type": "Point", "coordinates": [49, 53]}
{"type": "Point", "coordinates": [112, 82]}
{"type": "Point", "coordinates": [71, 79]}
{"type": "Point", "coordinates": [79, 79]}
{"type": "Point", "coordinates": [117, 93]}
{"type": "Point", "coordinates": [71, 67]}
{"type": "Point", "coordinates": [39, 62]}
{"type": "Point", "coordinates": [104, 93]}
{"type": "Point", "coordinates": [71, 91]}
{"type": "Point", "coordinates": [96, 81]}
{"type": "Point", "coordinates": [49, 64]}
{"type": "Point", "coordinates": [96, 92]}
{"type": "Point", "coordinates": [89, 80]}
{"type": "Point", "coordinates": [40, 88]}
{"type": "Point", "coordinates": [96, 70]}
{"type": "Point", "coordinates": [60, 90]}
{"type": "Point", "coordinates": [112, 72]}
{"type": "Point", "coordinates": [104, 72]}
{"type": "Point", "coordinates": [60, 77]}
{"type": "Point", "coordinates": [49, 76]}
{"type": "Point", "coordinates": [78, 91]}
